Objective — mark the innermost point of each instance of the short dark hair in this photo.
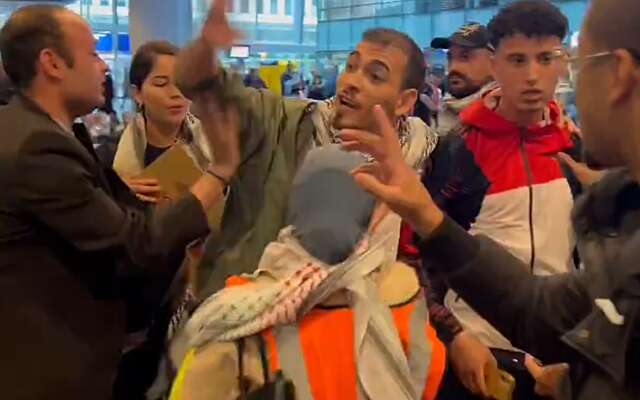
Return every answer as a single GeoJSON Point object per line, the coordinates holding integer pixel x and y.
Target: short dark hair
{"type": "Point", "coordinates": [145, 58]}
{"type": "Point", "coordinates": [532, 18]}
{"type": "Point", "coordinates": [416, 66]}
{"type": "Point", "coordinates": [28, 31]}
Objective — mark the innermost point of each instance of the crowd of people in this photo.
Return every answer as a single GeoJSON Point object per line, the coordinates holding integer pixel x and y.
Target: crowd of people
{"type": "Point", "coordinates": [422, 234]}
{"type": "Point", "coordinates": [318, 85]}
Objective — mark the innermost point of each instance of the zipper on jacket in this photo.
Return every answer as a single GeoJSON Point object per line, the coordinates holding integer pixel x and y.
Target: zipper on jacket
{"type": "Point", "coordinates": [527, 168]}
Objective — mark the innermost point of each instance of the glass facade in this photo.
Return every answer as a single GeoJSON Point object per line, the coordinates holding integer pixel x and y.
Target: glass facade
{"type": "Point", "coordinates": [349, 9]}
{"type": "Point", "coordinates": [273, 29]}
{"type": "Point", "coordinates": [311, 33]}
{"type": "Point", "coordinates": [100, 13]}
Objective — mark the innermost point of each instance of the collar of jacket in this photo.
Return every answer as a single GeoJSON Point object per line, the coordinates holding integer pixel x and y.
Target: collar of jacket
{"type": "Point", "coordinates": [133, 143]}
{"type": "Point", "coordinates": [604, 206]}
{"type": "Point", "coordinates": [31, 105]}
{"type": "Point", "coordinates": [481, 115]}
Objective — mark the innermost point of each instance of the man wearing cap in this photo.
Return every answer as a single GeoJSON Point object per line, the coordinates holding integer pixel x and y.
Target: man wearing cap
{"type": "Point", "coordinates": [499, 174]}
{"type": "Point", "coordinates": [469, 76]}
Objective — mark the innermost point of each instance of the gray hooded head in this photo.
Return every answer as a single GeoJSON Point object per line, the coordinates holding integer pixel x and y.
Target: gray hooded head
{"type": "Point", "coordinates": [329, 212]}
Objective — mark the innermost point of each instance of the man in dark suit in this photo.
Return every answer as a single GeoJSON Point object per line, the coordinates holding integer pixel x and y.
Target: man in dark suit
{"type": "Point", "coordinates": [70, 230]}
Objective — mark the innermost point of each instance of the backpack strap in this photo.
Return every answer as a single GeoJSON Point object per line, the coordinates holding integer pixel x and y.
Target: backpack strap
{"type": "Point", "coordinates": [240, 345]}
{"type": "Point", "coordinates": [263, 359]}
{"type": "Point", "coordinates": [240, 348]}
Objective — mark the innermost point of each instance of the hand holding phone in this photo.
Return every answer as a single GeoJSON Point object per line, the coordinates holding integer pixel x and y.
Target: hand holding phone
{"type": "Point", "coordinates": [501, 385]}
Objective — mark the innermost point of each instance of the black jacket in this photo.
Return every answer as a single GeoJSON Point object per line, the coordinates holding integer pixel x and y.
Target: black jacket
{"type": "Point", "coordinates": [70, 233]}
{"type": "Point", "coordinates": [557, 318]}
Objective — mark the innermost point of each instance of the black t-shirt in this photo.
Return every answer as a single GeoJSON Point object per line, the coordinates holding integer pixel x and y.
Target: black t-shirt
{"type": "Point", "coordinates": [151, 153]}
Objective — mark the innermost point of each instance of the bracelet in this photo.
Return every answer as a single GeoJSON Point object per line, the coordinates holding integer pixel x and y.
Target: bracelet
{"type": "Point", "coordinates": [217, 176]}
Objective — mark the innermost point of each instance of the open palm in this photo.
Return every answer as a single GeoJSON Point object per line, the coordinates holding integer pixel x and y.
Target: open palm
{"type": "Point", "coordinates": [390, 179]}
{"type": "Point", "coordinates": [197, 62]}
{"type": "Point", "coordinates": [217, 31]}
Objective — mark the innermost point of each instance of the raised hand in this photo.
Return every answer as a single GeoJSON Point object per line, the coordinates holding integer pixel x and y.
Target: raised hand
{"type": "Point", "coordinates": [198, 61]}
{"type": "Point", "coordinates": [221, 126]}
{"type": "Point", "coordinates": [216, 31]}
{"type": "Point", "coordinates": [390, 179]}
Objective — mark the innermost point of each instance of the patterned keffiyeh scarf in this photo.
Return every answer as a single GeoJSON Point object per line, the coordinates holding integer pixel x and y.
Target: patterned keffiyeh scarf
{"type": "Point", "coordinates": [416, 138]}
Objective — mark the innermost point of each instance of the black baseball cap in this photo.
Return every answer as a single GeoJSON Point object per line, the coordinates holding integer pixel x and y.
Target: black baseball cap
{"type": "Point", "coordinates": [471, 35]}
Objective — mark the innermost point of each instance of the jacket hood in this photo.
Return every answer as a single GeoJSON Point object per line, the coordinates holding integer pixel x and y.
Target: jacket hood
{"type": "Point", "coordinates": [481, 115]}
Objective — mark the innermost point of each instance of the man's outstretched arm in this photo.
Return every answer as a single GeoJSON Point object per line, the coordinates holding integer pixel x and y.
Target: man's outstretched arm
{"type": "Point", "coordinates": [530, 311]}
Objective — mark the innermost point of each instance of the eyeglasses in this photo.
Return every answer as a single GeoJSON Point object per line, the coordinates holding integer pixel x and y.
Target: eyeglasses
{"type": "Point", "coordinates": [576, 63]}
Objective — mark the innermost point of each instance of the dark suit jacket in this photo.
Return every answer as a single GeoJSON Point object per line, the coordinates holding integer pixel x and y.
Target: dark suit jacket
{"type": "Point", "coordinates": [69, 231]}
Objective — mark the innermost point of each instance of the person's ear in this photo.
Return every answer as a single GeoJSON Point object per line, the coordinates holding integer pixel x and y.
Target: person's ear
{"type": "Point", "coordinates": [51, 64]}
{"type": "Point", "coordinates": [625, 77]}
{"type": "Point", "coordinates": [406, 102]}
{"type": "Point", "coordinates": [137, 96]}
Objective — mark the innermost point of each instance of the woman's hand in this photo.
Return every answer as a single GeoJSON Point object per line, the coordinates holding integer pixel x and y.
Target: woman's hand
{"type": "Point", "coordinates": [146, 189]}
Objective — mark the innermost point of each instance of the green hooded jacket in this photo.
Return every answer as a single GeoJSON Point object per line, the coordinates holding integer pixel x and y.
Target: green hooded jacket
{"type": "Point", "coordinates": [275, 135]}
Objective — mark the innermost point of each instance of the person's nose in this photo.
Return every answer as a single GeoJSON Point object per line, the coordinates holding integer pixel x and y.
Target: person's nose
{"type": "Point", "coordinates": [174, 92]}
{"type": "Point", "coordinates": [352, 80]}
{"type": "Point", "coordinates": [103, 66]}
{"type": "Point", "coordinates": [533, 72]}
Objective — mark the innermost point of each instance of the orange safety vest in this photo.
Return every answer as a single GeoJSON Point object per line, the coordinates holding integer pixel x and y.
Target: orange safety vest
{"type": "Point", "coordinates": [318, 353]}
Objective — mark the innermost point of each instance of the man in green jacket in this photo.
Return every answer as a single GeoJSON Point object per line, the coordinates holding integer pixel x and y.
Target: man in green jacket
{"type": "Point", "coordinates": [386, 68]}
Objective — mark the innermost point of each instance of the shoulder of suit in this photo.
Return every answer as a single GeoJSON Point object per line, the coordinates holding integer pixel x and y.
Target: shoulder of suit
{"type": "Point", "coordinates": [24, 128]}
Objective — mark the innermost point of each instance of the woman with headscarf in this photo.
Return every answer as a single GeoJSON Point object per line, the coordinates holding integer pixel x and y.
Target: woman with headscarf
{"type": "Point", "coordinates": [328, 312]}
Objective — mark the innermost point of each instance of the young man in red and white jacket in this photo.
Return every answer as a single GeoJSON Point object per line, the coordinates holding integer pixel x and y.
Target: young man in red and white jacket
{"type": "Point", "coordinates": [500, 176]}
